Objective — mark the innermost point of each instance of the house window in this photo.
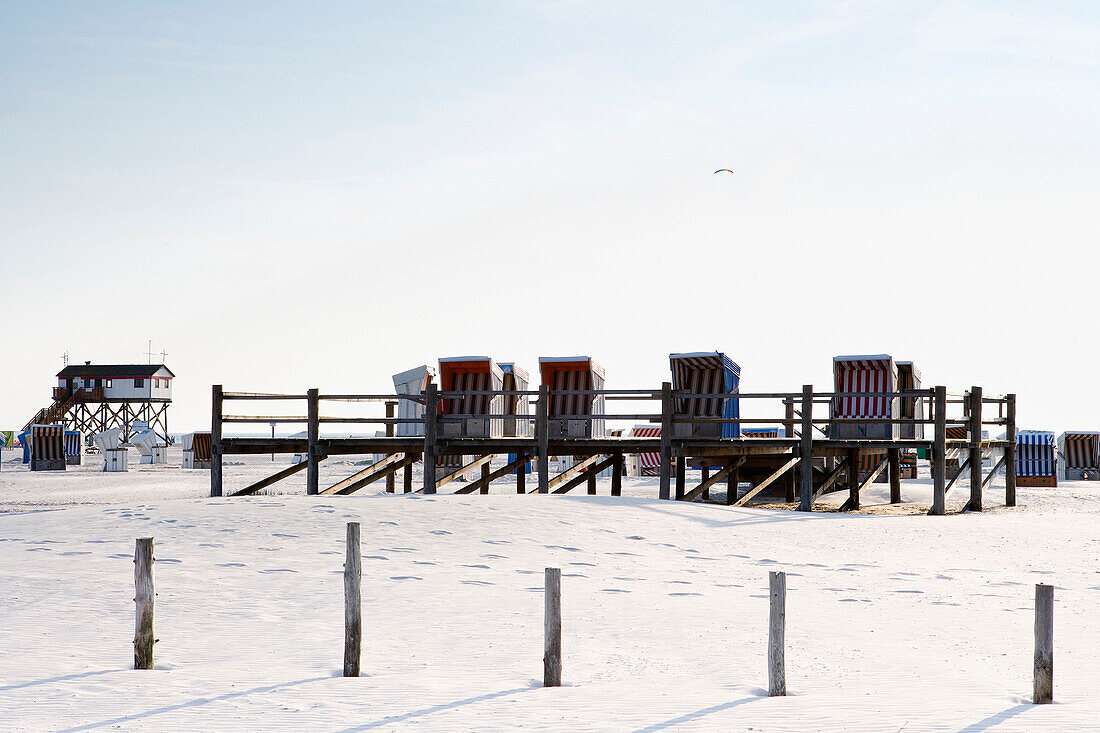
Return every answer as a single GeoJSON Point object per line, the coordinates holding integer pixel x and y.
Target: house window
{"type": "Point", "coordinates": [87, 384]}
{"type": "Point", "coordinates": [107, 383]}
{"type": "Point", "coordinates": [99, 383]}
{"type": "Point", "coordinates": [138, 383]}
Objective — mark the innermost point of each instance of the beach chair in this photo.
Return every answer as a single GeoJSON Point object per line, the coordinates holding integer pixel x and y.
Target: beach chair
{"type": "Point", "coordinates": [1079, 455]}
{"type": "Point", "coordinates": [702, 373]}
{"type": "Point", "coordinates": [1036, 459]}
{"type": "Point", "coordinates": [48, 448]}
{"type": "Point", "coordinates": [480, 415]}
{"type": "Point", "coordinates": [570, 415]}
{"type": "Point", "coordinates": [115, 456]}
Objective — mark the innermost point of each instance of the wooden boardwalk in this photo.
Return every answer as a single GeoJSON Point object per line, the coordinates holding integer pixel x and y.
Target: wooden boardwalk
{"type": "Point", "coordinates": [799, 468]}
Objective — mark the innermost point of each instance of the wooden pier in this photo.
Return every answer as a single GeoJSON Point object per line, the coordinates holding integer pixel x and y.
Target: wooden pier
{"type": "Point", "coordinates": [795, 469]}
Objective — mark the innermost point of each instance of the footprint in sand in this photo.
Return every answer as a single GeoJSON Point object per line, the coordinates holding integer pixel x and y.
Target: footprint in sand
{"type": "Point", "coordinates": [211, 544]}
{"type": "Point", "coordinates": [729, 585]}
{"type": "Point", "coordinates": [119, 556]}
{"type": "Point", "coordinates": [279, 570]}
{"type": "Point", "coordinates": [424, 562]}
{"type": "Point", "coordinates": [497, 542]}
{"type": "Point", "coordinates": [573, 575]}
{"type": "Point", "coordinates": [161, 560]}
{"type": "Point", "coordinates": [405, 577]}
{"type": "Point", "coordinates": [392, 524]}
{"type": "Point", "coordinates": [526, 572]}
{"type": "Point", "coordinates": [439, 531]}
{"type": "Point", "coordinates": [614, 590]}
{"type": "Point", "coordinates": [374, 557]}
{"type": "Point", "coordinates": [476, 582]}
{"type": "Point", "coordinates": [635, 537]}
{"type": "Point", "coordinates": [679, 582]}
{"type": "Point", "coordinates": [232, 565]}
{"type": "Point", "coordinates": [278, 534]}
{"type": "Point", "coordinates": [398, 549]}
{"type": "Point", "coordinates": [562, 547]}
{"type": "Point", "coordinates": [587, 564]}
{"type": "Point", "coordinates": [909, 591]}
{"type": "Point", "coordinates": [494, 557]}
{"type": "Point", "coordinates": [329, 552]}
{"type": "Point", "coordinates": [855, 600]}
{"type": "Point", "coordinates": [482, 567]}
{"type": "Point", "coordinates": [49, 549]}
{"type": "Point", "coordinates": [75, 552]}
{"type": "Point", "coordinates": [685, 594]}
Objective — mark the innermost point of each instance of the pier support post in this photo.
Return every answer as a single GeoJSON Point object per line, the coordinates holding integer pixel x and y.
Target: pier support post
{"type": "Point", "coordinates": [1010, 450]}
{"type": "Point", "coordinates": [975, 503]}
{"type": "Point", "coordinates": [313, 432]}
{"type": "Point", "coordinates": [806, 451]}
{"type": "Point", "coordinates": [431, 404]}
{"type": "Point", "coordinates": [542, 435]}
{"type": "Point", "coordinates": [666, 440]}
{"type": "Point", "coordinates": [215, 440]}
{"type": "Point", "coordinates": [939, 452]}
{"type": "Point", "coordinates": [894, 455]}
{"type": "Point", "coordinates": [391, 480]}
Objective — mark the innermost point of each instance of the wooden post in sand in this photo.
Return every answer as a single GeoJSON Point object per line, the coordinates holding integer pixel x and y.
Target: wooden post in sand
{"type": "Point", "coordinates": [551, 659]}
{"type": "Point", "coordinates": [313, 432]}
{"type": "Point", "coordinates": [431, 403]}
{"type": "Point", "coordinates": [777, 620]}
{"type": "Point", "coordinates": [1044, 644]}
{"type": "Point", "coordinates": [806, 452]}
{"type": "Point", "coordinates": [975, 503]}
{"type": "Point", "coordinates": [353, 609]}
{"type": "Point", "coordinates": [542, 435]}
{"type": "Point", "coordinates": [1010, 450]}
{"type": "Point", "coordinates": [391, 409]}
{"type": "Point", "coordinates": [144, 595]}
{"type": "Point", "coordinates": [939, 452]}
{"type": "Point", "coordinates": [216, 441]}
{"type": "Point", "coordinates": [665, 491]}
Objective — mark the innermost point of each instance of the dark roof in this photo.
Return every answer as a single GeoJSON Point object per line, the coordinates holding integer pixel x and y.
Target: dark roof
{"type": "Point", "coordinates": [111, 370]}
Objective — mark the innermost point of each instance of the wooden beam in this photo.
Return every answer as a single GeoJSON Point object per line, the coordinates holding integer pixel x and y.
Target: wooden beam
{"type": "Point", "coordinates": [853, 500]}
{"type": "Point", "coordinates": [831, 478]}
{"type": "Point", "coordinates": [277, 476]}
{"type": "Point", "coordinates": [976, 483]}
{"type": "Point", "coordinates": [371, 478]}
{"type": "Point", "coordinates": [894, 455]}
{"type": "Point", "coordinates": [997, 467]}
{"type": "Point", "coordinates": [578, 480]}
{"type": "Point", "coordinates": [766, 482]}
{"type": "Point", "coordinates": [483, 460]}
{"type": "Point", "coordinates": [485, 480]}
{"type": "Point", "coordinates": [712, 480]}
{"type": "Point", "coordinates": [806, 452]}
{"type": "Point", "coordinates": [344, 483]}
{"type": "Point", "coordinates": [572, 471]}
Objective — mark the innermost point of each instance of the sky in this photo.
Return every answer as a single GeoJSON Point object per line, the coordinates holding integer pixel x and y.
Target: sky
{"type": "Point", "coordinates": [292, 195]}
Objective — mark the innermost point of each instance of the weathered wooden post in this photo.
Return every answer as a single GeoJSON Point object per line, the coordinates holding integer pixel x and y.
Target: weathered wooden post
{"type": "Point", "coordinates": [591, 480]}
{"type": "Point", "coordinates": [408, 477]}
{"type": "Point", "coordinates": [617, 476]}
{"type": "Point", "coordinates": [853, 479]}
{"type": "Point", "coordinates": [681, 477]}
{"type": "Point", "coordinates": [666, 441]}
{"type": "Point", "coordinates": [144, 596]}
{"type": "Point", "coordinates": [975, 504]}
{"type": "Point", "coordinates": [806, 450]}
{"type": "Point", "coordinates": [551, 660]}
{"type": "Point", "coordinates": [431, 405]}
{"type": "Point", "coordinates": [1044, 644]}
{"type": "Point", "coordinates": [542, 435]}
{"type": "Point", "coordinates": [313, 433]}
{"type": "Point", "coordinates": [733, 480]}
{"type": "Point", "coordinates": [353, 609]}
{"type": "Point", "coordinates": [894, 455]}
{"type": "Point", "coordinates": [521, 477]}
{"type": "Point", "coordinates": [216, 441]}
{"type": "Point", "coordinates": [1010, 450]}
{"type": "Point", "coordinates": [704, 474]}
{"type": "Point", "coordinates": [485, 469]}
{"type": "Point", "coordinates": [777, 620]}
{"type": "Point", "coordinates": [391, 480]}
{"type": "Point", "coordinates": [939, 452]}
{"type": "Point", "coordinates": [791, 479]}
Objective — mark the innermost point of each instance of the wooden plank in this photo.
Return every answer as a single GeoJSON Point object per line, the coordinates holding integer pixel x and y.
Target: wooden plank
{"type": "Point", "coordinates": [777, 623]}
{"type": "Point", "coordinates": [964, 468]}
{"type": "Point", "coordinates": [353, 608]}
{"type": "Point", "coordinates": [468, 468]}
{"type": "Point", "coordinates": [838, 470]}
{"type": "Point", "coordinates": [344, 483]}
{"type": "Point", "coordinates": [1044, 645]}
{"type": "Point", "coordinates": [681, 477]}
{"type": "Point", "coordinates": [409, 477]}
{"type": "Point", "coordinates": [766, 482]}
{"type": "Point", "coordinates": [704, 474]}
{"type": "Point", "coordinates": [144, 599]}
{"type": "Point", "coordinates": [806, 452]}
{"type": "Point", "coordinates": [578, 480]}
{"type": "Point", "coordinates": [573, 471]}
{"type": "Point", "coordinates": [484, 475]}
{"type": "Point", "coordinates": [486, 479]}
{"type": "Point", "coordinates": [551, 633]}
{"type": "Point", "coordinates": [617, 476]}
{"type": "Point", "coordinates": [996, 467]}
{"type": "Point", "coordinates": [277, 476]}
{"type": "Point", "coordinates": [349, 486]}
{"type": "Point", "coordinates": [852, 501]}
{"type": "Point", "coordinates": [712, 480]}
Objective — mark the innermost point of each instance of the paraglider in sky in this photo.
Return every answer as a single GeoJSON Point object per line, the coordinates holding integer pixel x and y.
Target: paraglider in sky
{"type": "Point", "coordinates": [727, 170]}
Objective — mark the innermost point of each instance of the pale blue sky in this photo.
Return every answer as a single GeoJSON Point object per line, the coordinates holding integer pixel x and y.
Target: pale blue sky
{"type": "Point", "coordinates": [291, 195]}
